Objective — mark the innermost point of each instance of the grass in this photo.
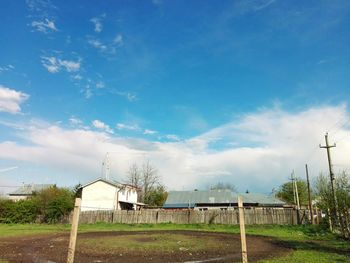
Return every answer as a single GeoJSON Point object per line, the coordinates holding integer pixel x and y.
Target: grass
{"type": "Point", "coordinates": [152, 242]}
{"type": "Point", "coordinates": [309, 243]}
{"type": "Point", "coordinates": [13, 230]}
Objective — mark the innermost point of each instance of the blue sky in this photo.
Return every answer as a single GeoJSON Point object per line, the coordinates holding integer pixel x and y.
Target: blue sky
{"type": "Point", "coordinates": [199, 82]}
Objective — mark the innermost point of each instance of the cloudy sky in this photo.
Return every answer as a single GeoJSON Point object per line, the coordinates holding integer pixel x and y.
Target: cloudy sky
{"type": "Point", "coordinates": [238, 91]}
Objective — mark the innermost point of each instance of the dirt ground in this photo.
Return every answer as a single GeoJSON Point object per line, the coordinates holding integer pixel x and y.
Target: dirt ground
{"type": "Point", "coordinates": [53, 248]}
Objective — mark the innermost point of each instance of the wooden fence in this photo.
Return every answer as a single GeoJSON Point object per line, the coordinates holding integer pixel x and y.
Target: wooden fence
{"type": "Point", "coordinates": [286, 216]}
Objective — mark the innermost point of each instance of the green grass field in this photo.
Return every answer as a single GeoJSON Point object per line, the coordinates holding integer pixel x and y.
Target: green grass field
{"type": "Point", "coordinates": [309, 243]}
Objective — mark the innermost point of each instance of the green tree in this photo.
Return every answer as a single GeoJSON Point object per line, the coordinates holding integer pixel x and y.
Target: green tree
{"type": "Point", "coordinates": [77, 190]}
{"type": "Point", "coordinates": [325, 199]}
{"type": "Point", "coordinates": [157, 196]}
{"type": "Point", "coordinates": [285, 192]}
{"type": "Point", "coordinates": [54, 203]}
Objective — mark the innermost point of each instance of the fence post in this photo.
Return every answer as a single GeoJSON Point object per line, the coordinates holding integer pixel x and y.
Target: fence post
{"type": "Point", "coordinates": [74, 230]}
{"type": "Point", "coordinates": [242, 230]}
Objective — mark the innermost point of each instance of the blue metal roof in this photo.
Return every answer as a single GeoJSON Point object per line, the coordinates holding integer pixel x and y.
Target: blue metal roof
{"type": "Point", "coordinates": [184, 199]}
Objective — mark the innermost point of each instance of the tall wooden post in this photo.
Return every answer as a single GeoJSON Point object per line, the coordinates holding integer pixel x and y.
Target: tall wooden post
{"type": "Point", "coordinates": [334, 212]}
{"type": "Point", "coordinates": [74, 231]}
{"type": "Point", "coordinates": [242, 228]}
{"type": "Point", "coordinates": [309, 195]}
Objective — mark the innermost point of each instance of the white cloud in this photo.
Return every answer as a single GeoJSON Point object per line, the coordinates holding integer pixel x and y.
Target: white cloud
{"type": "Point", "coordinates": [97, 44]}
{"type": "Point", "coordinates": [87, 92]}
{"type": "Point", "coordinates": [100, 85]}
{"type": "Point", "coordinates": [71, 66]}
{"type": "Point", "coordinates": [256, 152]}
{"type": "Point", "coordinates": [172, 137]}
{"type": "Point", "coordinates": [54, 65]}
{"type": "Point", "coordinates": [40, 6]}
{"type": "Point", "coordinates": [44, 26]}
{"type": "Point", "coordinates": [10, 100]}
{"type": "Point", "coordinates": [149, 132]}
{"type": "Point", "coordinates": [75, 121]}
{"type": "Point", "coordinates": [128, 95]}
{"type": "Point", "coordinates": [107, 47]}
{"type": "Point", "coordinates": [97, 21]}
{"type": "Point", "coordinates": [6, 68]}
{"type": "Point", "coordinates": [123, 126]}
{"type": "Point", "coordinates": [102, 126]}
{"type": "Point", "coordinates": [77, 77]}
{"type": "Point", "coordinates": [51, 64]}
{"type": "Point", "coordinates": [118, 40]}
{"type": "Point", "coordinates": [263, 4]}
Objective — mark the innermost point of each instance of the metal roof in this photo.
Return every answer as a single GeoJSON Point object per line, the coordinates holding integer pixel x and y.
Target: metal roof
{"type": "Point", "coordinates": [181, 199]}
{"type": "Point", "coordinates": [111, 182]}
{"type": "Point", "coordinates": [260, 199]}
{"type": "Point", "coordinates": [28, 189]}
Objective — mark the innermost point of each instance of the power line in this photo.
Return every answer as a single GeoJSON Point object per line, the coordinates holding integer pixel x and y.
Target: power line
{"type": "Point", "coordinates": [335, 124]}
{"type": "Point", "coordinates": [342, 138]}
{"type": "Point", "coordinates": [341, 126]}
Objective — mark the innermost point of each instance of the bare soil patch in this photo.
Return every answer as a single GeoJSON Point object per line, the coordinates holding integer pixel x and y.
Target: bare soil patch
{"type": "Point", "coordinates": [145, 246]}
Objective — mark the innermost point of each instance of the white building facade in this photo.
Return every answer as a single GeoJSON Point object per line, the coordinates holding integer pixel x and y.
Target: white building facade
{"type": "Point", "coordinates": [106, 195]}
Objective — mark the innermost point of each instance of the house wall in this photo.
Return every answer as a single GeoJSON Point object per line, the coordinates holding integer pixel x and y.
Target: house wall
{"type": "Point", "coordinates": [103, 196]}
{"type": "Point", "coordinates": [17, 197]}
{"type": "Point", "coordinates": [128, 194]}
{"type": "Point", "coordinates": [98, 196]}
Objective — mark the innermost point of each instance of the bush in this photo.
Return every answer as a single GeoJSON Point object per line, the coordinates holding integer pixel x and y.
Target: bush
{"type": "Point", "coordinates": [23, 211]}
{"type": "Point", "coordinates": [50, 205]}
{"type": "Point", "coordinates": [54, 203]}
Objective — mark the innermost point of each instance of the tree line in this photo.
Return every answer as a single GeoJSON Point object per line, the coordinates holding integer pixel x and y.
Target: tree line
{"type": "Point", "coordinates": [322, 198]}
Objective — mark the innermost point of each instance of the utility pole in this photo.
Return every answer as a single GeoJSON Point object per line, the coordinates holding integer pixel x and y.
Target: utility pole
{"type": "Point", "coordinates": [292, 179]}
{"type": "Point", "coordinates": [331, 174]}
{"type": "Point", "coordinates": [309, 194]}
{"type": "Point", "coordinates": [296, 191]}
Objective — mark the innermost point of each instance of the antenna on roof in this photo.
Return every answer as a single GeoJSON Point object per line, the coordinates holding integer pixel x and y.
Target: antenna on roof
{"type": "Point", "coordinates": [107, 167]}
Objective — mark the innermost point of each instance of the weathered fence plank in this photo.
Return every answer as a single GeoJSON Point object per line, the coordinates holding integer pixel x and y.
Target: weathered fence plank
{"type": "Point", "coordinates": [278, 216]}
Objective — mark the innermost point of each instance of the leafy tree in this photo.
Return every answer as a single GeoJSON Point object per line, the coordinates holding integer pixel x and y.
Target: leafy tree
{"type": "Point", "coordinates": [157, 196]}
{"type": "Point", "coordinates": [285, 192]}
{"type": "Point", "coordinates": [342, 192]}
{"type": "Point", "coordinates": [77, 190]}
{"type": "Point", "coordinates": [54, 203]}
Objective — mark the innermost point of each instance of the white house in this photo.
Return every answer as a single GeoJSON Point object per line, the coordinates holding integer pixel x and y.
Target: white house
{"type": "Point", "coordinates": [104, 194]}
